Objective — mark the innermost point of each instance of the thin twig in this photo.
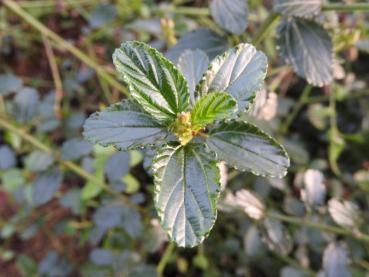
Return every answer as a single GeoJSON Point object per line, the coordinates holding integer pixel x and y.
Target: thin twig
{"type": "Point", "coordinates": [316, 225]}
{"type": "Point", "coordinates": [165, 258]}
{"type": "Point", "coordinates": [59, 92]}
{"type": "Point", "coordinates": [12, 5]}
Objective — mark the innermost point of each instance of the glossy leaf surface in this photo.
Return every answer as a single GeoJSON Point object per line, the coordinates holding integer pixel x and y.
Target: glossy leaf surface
{"type": "Point", "coordinates": [123, 125]}
{"type": "Point", "coordinates": [246, 147]}
{"type": "Point", "coordinates": [240, 71]}
{"type": "Point", "coordinates": [231, 15]}
{"type": "Point", "coordinates": [308, 48]}
{"type": "Point", "coordinates": [186, 192]}
{"type": "Point", "coordinates": [154, 82]}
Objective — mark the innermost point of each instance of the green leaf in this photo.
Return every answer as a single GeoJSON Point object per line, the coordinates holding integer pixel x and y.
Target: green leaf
{"type": "Point", "coordinates": [308, 48]}
{"type": "Point", "coordinates": [193, 64]}
{"type": "Point", "coordinates": [240, 71]}
{"type": "Point", "coordinates": [154, 82]}
{"type": "Point", "coordinates": [186, 192]}
{"type": "Point", "coordinates": [299, 8]}
{"type": "Point", "coordinates": [211, 107]}
{"type": "Point", "coordinates": [246, 147]}
{"type": "Point", "coordinates": [231, 15]}
{"type": "Point", "coordinates": [123, 125]}
{"type": "Point", "coordinates": [204, 39]}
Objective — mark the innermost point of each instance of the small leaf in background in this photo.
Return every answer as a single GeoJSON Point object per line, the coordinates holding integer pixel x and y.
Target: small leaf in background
{"type": "Point", "coordinates": [193, 64]}
{"type": "Point", "coordinates": [204, 39]}
{"type": "Point", "coordinates": [231, 15]}
{"type": "Point", "coordinates": [336, 146]}
{"type": "Point", "coordinates": [114, 215]}
{"type": "Point", "coordinates": [108, 216]}
{"type": "Point", "coordinates": [26, 265]}
{"type": "Point", "coordinates": [211, 107]}
{"type": "Point", "coordinates": [102, 15]}
{"type": "Point", "coordinates": [25, 104]}
{"type": "Point", "coordinates": [252, 242]}
{"type": "Point", "coordinates": [315, 190]}
{"type": "Point", "coordinates": [38, 161]}
{"type": "Point", "coordinates": [186, 192]}
{"type": "Point", "coordinates": [54, 265]}
{"type": "Point", "coordinates": [45, 187]}
{"type": "Point", "coordinates": [240, 71]}
{"type": "Point", "coordinates": [117, 166]}
{"type": "Point", "coordinates": [344, 213]}
{"type": "Point", "coordinates": [299, 8]}
{"type": "Point", "coordinates": [319, 115]}
{"type": "Point", "coordinates": [123, 125]}
{"type": "Point", "coordinates": [278, 240]}
{"type": "Point", "coordinates": [335, 261]}
{"type": "Point", "coordinates": [72, 200]}
{"type": "Point", "coordinates": [252, 206]}
{"type": "Point", "coordinates": [9, 83]}
{"type": "Point", "coordinates": [75, 121]}
{"type": "Point", "coordinates": [246, 147]}
{"type": "Point", "coordinates": [308, 48]}
{"type": "Point", "coordinates": [289, 271]}
{"type": "Point", "coordinates": [265, 106]}
{"type": "Point", "coordinates": [75, 148]}
{"type": "Point", "coordinates": [155, 83]}
{"type": "Point", "coordinates": [12, 180]}
{"type": "Point", "coordinates": [46, 113]}
{"type": "Point", "coordinates": [7, 157]}
{"type": "Point", "coordinates": [101, 256]}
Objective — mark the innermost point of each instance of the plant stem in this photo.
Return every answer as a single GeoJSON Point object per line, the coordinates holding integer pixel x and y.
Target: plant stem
{"type": "Point", "coordinates": [325, 228]}
{"type": "Point", "coordinates": [191, 11]}
{"type": "Point", "coordinates": [68, 164]}
{"type": "Point", "coordinates": [301, 102]}
{"type": "Point", "coordinates": [59, 92]}
{"type": "Point", "coordinates": [351, 96]}
{"type": "Point", "coordinates": [341, 7]}
{"type": "Point", "coordinates": [165, 258]}
{"type": "Point", "coordinates": [65, 44]}
{"type": "Point", "coordinates": [265, 28]}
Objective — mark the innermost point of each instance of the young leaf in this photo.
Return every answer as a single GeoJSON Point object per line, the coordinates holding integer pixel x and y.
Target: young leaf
{"type": "Point", "coordinates": [308, 48]}
{"type": "Point", "coordinates": [154, 82]}
{"type": "Point", "coordinates": [240, 71]}
{"type": "Point", "coordinates": [231, 15]}
{"type": "Point", "coordinates": [186, 192]}
{"type": "Point", "coordinates": [193, 64]}
{"type": "Point", "coordinates": [211, 107]}
{"type": "Point", "coordinates": [299, 8]}
{"type": "Point", "coordinates": [246, 147]}
{"type": "Point", "coordinates": [123, 125]}
{"type": "Point", "coordinates": [204, 39]}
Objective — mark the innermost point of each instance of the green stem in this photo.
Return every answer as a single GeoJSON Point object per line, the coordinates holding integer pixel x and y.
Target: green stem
{"type": "Point", "coordinates": [165, 258]}
{"type": "Point", "coordinates": [191, 11]}
{"type": "Point", "coordinates": [341, 7]}
{"type": "Point", "coordinates": [325, 228]}
{"type": "Point", "coordinates": [265, 28]}
{"type": "Point", "coordinates": [65, 44]}
{"type": "Point", "coordinates": [350, 96]}
{"type": "Point", "coordinates": [4, 123]}
{"type": "Point", "coordinates": [301, 102]}
{"type": "Point", "coordinates": [49, 3]}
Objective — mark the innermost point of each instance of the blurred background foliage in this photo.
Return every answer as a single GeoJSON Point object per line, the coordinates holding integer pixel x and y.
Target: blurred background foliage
{"type": "Point", "coordinates": [69, 208]}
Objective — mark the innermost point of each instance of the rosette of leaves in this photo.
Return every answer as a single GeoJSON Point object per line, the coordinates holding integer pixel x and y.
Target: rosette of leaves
{"type": "Point", "coordinates": [190, 131]}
